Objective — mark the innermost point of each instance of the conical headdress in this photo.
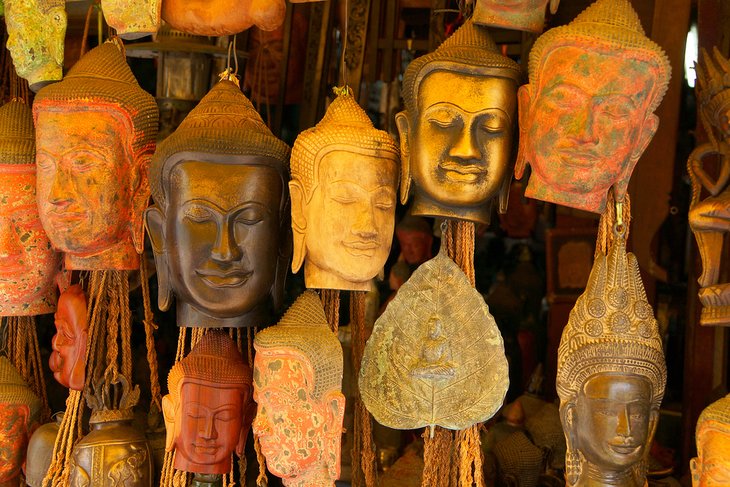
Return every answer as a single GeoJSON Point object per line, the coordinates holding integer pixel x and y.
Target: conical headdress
{"type": "Point", "coordinates": [14, 390]}
{"type": "Point", "coordinates": [17, 135]}
{"type": "Point", "coordinates": [715, 416]}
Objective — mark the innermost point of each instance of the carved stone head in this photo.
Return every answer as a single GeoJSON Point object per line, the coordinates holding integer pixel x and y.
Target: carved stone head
{"type": "Point", "coordinates": [68, 359]}
{"type": "Point", "coordinates": [456, 143]}
{"type": "Point", "coordinates": [36, 37]}
{"type": "Point", "coordinates": [344, 190]}
{"type": "Point", "coordinates": [587, 114]}
{"type": "Point", "coordinates": [95, 134]}
{"type": "Point", "coordinates": [223, 17]}
{"type": "Point", "coordinates": [28, 263]}
{"type": "Point", "coordinates": [222, 249]}
{"type": "Point", "coordinates": [711, 467]}
{"type": "Point", "coordinates": [527, 15]}
{"type": "Point", "coordinates": [208, 410]}
{"type": "Point", "coordinates": [298, 388]}
{"type": "Point", "coordinates": [132, 19]}
{"type": "Point", "coordinates": [19, 414]}
{"type": "Point", "coordinates": [611, 375]}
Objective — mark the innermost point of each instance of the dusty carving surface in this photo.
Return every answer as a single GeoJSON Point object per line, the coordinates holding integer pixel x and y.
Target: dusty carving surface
{"type": "Point", "coordinates": [132, 19]}
{"type": "Point", "coordinates": [435, 356]}
{"type": "Point", "coordinates": [711, 467]}
{"type": "Point", "coordinates": [587, 114]}
{"type": "Point", "coordinates": [68, 359]}
{"type": "Point", "coordinates": [527, 15]}
{"type": "Point", "coordinates": [223, 17]}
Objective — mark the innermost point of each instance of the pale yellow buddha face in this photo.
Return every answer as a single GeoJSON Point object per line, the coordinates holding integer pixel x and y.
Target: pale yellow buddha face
{"type": "Point", "coordinates": [712, 467]}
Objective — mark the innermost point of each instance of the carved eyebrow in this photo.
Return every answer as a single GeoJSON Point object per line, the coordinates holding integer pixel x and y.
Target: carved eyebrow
{"type": "Point", "coordinates": [236, 209]}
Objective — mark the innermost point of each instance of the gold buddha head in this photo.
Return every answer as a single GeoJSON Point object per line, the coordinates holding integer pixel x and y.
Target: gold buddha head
{"type": "Point", "coordinates": [95, 134]}
{"type": "Point", "coordinates": [132, 19]}
{"type": "Point", "coordinates": [456, 130]}
{"type": "Point", "coordinates": [223, 249]}
{"type": "Point", "coordinates": [36, 37]}
{"type": "Point", "coordinates": [711, 467]}
{"type": "Point", "coordinates": [20, 412]}
{"type": "Point", "coordinates": [298, 388]}
{"type": "Point", "coordinates": [611, 375]}
{"type": "Point", "coordinates": [587, 114]}
{"type": "Point", "coordinates": [208, 410]}
{"type": "Point", "coordinates": [343, 190]}
{"type": "Point", "coordinates": [527, 15]}
{"type": "Point", "coordinates": [28, 263]}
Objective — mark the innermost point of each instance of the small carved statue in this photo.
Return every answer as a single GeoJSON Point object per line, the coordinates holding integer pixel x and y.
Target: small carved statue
{"type": "Point", "coordinates": [208, 410]}
{"type": "Point", "coordinates": [435, 361]}
{"type": "Point", "coordinates": [68, 359]}
{"type": "Point", "coordinates": [587, 114]}
{"type": "Point", "coordinates": [36, 39]}
{"type": "Point", "coordinates": [95, 134]}
{"type": "Point", "coordinates": [298, 388]}
{"type": "Point", "coordinates": [223, 249]}
{"type": "Point", "coordinates": [711, 467]}
{"type": "Point", "coordinates": [526, 15]}
{"type": "Point", "coordinates": [132, 19]}
{"type": "Point", "coordinates": [343, 191]}
{"type": "Point", "coordinates": [223, 17]}
{"type": "Point", "coordinates": [19, 414]}
{"type": "Point", "coordinates": [28, 263]}
{"type": "Point", "coordinates": [709, 219]}
{"type": "Point", "coordinates": [611, 376]}
{"type": "Point", "coordinates": [456, 143]}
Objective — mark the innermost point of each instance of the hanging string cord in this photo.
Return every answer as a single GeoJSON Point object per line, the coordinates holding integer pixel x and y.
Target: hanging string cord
{"type": "Point", "coordinates": [345, 40]}
{"type": "Point", "coordinates": [149, 328]}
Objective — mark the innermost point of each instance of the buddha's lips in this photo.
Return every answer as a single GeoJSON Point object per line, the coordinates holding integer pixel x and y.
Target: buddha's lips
{"type": "Point", "coordinates": [624, 448]}
{"type": "Point", "coordinates": [464, 169]}
{"type": "Point", "coordinates": [221, 278]}
{"type": "Point", "coordinates": [206, 449]}
{"type": "Point", "coordinates": [575, 156]}
{"type": "Point", "coordinates": [361, 244]}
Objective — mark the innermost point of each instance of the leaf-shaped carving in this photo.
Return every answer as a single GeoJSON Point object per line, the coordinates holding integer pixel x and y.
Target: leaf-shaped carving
{"type": "Point", "coordinates": [435, 356]}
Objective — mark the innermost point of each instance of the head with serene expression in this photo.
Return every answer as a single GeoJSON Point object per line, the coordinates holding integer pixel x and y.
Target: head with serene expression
{"type": "Point", "coordinates": [208, 410]}
{"type": "Point", "coordinates": [456, 130]}
{"type": "Point", "coordinates": [611, 375]}
{"type": "Point", "coordinates": [95, 134]}
{"type": "Point", "coordinates": [220, 224]}
{"type": "Point", "coordinates": [298, 389]}
{"type": "Point", "coordinates": [711, 467]}
{"type": "Point", "coordinates": [527, 15]}
{"type": "Point", "coordinates": [68, 359]}
{"type": "Point", "coordinates": [587, 114]}
{"type": "Point", "coordinates": [343, 190]}
{"type": "Point", "coordinates": [28, 263]}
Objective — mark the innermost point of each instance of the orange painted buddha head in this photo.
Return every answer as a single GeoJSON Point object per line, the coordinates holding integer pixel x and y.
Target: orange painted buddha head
{"type": "Point", "coordinates": [68, 359]}
{"type": "Point", "coordinates": [223, 17]}
{"type": "Point", "coordinates": [19, 415]}
{"type": "Point", "coordinates": [456, 142]}
{"type": "Point", "coordinates": [343, 190]}
{"type": "Point", "coordinates": [587, 114]}
{"type": "Point", "coordinates": [298, 389]}
{"type": "Point", "coordinates": [527, 15]}
{"type": "Point", "coordinates": [711, 467]}
{"type": "Point", "coordinates": [208, 410]}
{"type": "Point", "coordinates": [95, 134]}
{"type": "Point", "coordinates": [28, 263]}
{"type": "Point", "coordinates": [220, 225]}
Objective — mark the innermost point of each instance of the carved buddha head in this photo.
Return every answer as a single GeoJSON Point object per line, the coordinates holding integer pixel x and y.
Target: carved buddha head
{"type": "Point", "coordinates": [298, 388]}
{"type": "Point", "coordinates": [208, 410]}
{"type": "Point", "coordinates": [28, 263]}
{"type": "Point", "coordinates": [456, 143]}
{"type": "Point", "coordinates": [611, 375]}
{"type": "Point", "coordinates": [527, 15]}
{"type": "Point", "coordinates": [415, 238]}
{"type": "Point", "coordinates": [36, 36]}
{"type": "Point", "coordinates": [19, 414]}
{"type": "Point", "coordinates": [95, 134]}
{"type": "Point", "coordinates": [223, 249]}
{"type": "Point", "coordinates": [132, 19]}
{"type": "Point", "coordinates": [223, 17]}
{"type": "Point", "coordinates": [587, 114]}
{"type": "Point", "coordinates": [68, 359]}
{"type": "Point", "coordinates": [711, 468]}
{"type": "Point", "coordinates": [343, 190]}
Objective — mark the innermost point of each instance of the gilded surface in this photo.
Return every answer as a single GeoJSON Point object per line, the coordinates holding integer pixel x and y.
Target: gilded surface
{"type": "Point", "coordinates": [587, 114]}
{"type": "Point", "coordinates": [36, 36]}
{"type": "Point", "coordinates": [456, 144]}
{"type": "Point", "coordinates": [611, 376]}
{"type": "Point", "coordinates": [132, 19]}
{"type": "Point", "coordinates": [435, 356]}
{"type": "Point", "coordinates": [223, 17]}
{"type": "Point", "coordinates": [68, 358]}
{"type": "Point", "coordinates": [343, 189]}
{"type": "Point", "coordinates": [709, 218]}
{"type": "Point", "coordinates": [711, 467]}
{"type": "Point", "coordinates": [298, 388]}
{"type": "Point", "coordinates": [527, 15]}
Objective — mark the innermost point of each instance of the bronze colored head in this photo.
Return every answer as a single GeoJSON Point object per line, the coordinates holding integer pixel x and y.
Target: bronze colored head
{"type": "Point", "coordinates": [711, 467]}
{"type": "Point", "coordinates": [587, 114]}
{"type": "Point", "coordinates": [527, 15]}
{"type": "Point", "coordinates": [343, 190]}
{"type": "Point", "coordinates": [95, 134]}
{"type": "Point", "coordinates": [611, 375]}
{"type": "Point", "coordinates": [220, 224]}
{"type": "Point", "coordinates": [208, 410]}
{"type": "Point", "coordinates": [456, 143]}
